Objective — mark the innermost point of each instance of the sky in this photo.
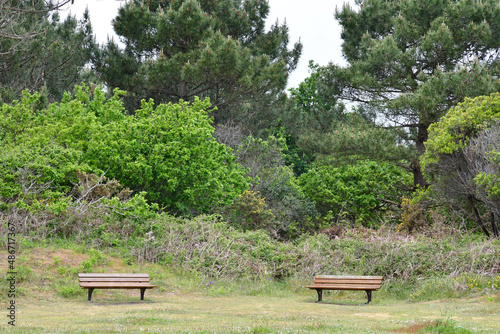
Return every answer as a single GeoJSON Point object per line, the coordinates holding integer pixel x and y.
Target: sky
{"type": "Point", "coordinates": [311, 21]}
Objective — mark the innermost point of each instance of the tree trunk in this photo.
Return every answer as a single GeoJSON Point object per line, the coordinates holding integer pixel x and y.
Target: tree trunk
{"type": "Point", "coordinates": [182, 90]}
{"type": "Point", "coordinates": [478, 217]}
{"type": "Point", "coordinates": [493, 225]}
{"type": "Point", "coordinates": [418, 177]}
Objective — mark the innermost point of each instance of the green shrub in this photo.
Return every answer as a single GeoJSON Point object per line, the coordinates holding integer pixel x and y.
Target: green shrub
{"type": "Point", "coordinates": [168, 151]}
{"type": "Point", "coordinates": [70, 291]}
{"type": "Point", "coordinates": [249, 212]}
{"type": "Point", "coordinates": [447, 326]}
{"type": "Point", "coordinates": [354, 193]}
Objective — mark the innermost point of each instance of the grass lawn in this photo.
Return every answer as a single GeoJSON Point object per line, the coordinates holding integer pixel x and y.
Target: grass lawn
{"type": "Point", "coordinates": [120, 311]}
{"type": "Point", "coordinates": [49, 300]}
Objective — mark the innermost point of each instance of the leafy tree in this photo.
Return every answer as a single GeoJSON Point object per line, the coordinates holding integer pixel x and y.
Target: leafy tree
{"type": "Point", "coordinates": [413, 60]}
{"type": "Point", "coordinates": [167, 151]}
{"type": "Point", "coordinates": [38, 51]}
{"type": "Point", "coordinates": [20, 22]}
{"type": "Point", "coordinates": [323, 130]}
{"type": "Point", "coordinates": [311, 111]}
{"type": "Point", "coordinates": [461, 159]}
{"type": "Point", "coordinates": [316, 108]}
{"type": "Point", "coordinates": [35, 170]}
{"type": "Point", "coordinates": [358, 193]}
{"type": "Point", "coordinates": [179, 49]}
{"type": "Point", "coordinates": [352, 139]}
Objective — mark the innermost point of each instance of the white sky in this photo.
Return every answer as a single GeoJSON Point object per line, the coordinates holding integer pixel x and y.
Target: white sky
{"type": "Point", "coordinates": [310, 20]}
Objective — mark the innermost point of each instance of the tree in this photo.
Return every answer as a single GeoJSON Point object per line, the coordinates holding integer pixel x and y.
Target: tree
{"type": "Point", "coordinates": [270, 178]}
{"type": "Point", "coordinates": [311, 110]}
{"type": "Point", "coordinates": [167, 151]}
{"type": "Point", "coordinates": [37, 51]}
{"type": "Point", "coordinates": [323, 130]}
{"type": "Point", "coordinates": [413, 60]}
{"type": "Point", "coordinates": [316, 106]}
{"type": "Point", "coordinates": [461, 159]}
{"type": "Point", "coordinates": [21, 22]}
{"type": "Point", "coordinates": [353, 139]}
{"type": "Point", "coordinates": [178, 49]}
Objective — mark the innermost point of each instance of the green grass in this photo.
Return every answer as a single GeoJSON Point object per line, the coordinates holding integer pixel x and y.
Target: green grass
{"type": "Point", "coordinates": [120, 311]}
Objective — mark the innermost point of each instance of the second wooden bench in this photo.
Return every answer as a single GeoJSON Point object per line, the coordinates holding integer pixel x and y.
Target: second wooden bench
{"type": "Point", "coordinates": [114, 281]}
{"type": "Point", "coordinates": [366, 283]}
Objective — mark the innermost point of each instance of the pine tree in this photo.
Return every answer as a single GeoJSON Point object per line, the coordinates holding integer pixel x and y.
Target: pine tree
{"type": "Point", "coordinates": [40, 52]}
{"type": "Point", "coordinates": [412, 60]}
{"type": "Point", "coordinates": [179, 49]}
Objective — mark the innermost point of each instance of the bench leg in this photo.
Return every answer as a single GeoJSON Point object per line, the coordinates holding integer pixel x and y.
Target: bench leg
{"type": "Point", "coordinates": [320, 294]}
{"type": "Point", "coordinates": [142, 293]}
{"type": "Point", "coordinates": [369, 295]}
{"type": "Point", "coordinates": [90, 294]}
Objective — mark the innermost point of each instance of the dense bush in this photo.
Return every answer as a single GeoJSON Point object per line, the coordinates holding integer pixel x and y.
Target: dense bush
{"type": "Point", "coordinates": [357, 193]}
{"type": "Point", "coordinates": [166, 151]}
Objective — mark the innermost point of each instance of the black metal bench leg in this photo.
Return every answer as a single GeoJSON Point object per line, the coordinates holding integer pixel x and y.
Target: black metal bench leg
{"type": "Point", "coordinates": [142, 293]}
{"type": "Point", "coordinates": [320, 294]}
{"type": "Point", "coordinates": [369, 294]}
{"type": "Point", "coordinates": [90, 294]}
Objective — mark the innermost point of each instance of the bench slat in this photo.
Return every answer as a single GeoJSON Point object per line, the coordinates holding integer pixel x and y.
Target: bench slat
{"type": "Point", "coordinates": [109, 279]}
{"type": "Point", "coordinates": [349, 277]}
{"type": "Point", "coordinates": [120, 285]}
{"type": "Point", "coordinates": [99, 275]}
{"type": "Point", "coordinates": [344, 287]}
{"type": "Point", "coordinates": [347, 281]}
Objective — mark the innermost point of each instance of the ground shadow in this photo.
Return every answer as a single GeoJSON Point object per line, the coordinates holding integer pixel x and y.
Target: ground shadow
{"type": "Point", "coordinates": [337, 303]}
{"type": "Point", "coordinates": [119, 302]}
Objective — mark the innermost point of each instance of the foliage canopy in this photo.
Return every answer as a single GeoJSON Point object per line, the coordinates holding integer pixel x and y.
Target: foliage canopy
{"type": "Point", "coordinates": [413, 60]}
{"type": "Point", "coordinates": [39, 51]}
{"type": "Point", "coordinates": [166, 151]}
{"type": "Point", "coordinates": [461, 159]}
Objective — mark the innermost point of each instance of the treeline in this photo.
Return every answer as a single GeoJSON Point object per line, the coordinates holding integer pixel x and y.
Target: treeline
{"type": "Point", "coordinates": [191, 117]}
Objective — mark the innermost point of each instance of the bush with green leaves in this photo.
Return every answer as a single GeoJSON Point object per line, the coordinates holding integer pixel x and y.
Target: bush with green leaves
{"type": "Point", "coordinates": [249, 212]}
{"type": "Point", "coordinates": [40, 153]}
{"type": "Point", "coordinates": [169, 152]}
{"type": "Point", "coordinates": [358, 193]}
{"type": "Point", "coordinates": [461, 160]}
{"type": "Point", "coordinates": [166, 151]}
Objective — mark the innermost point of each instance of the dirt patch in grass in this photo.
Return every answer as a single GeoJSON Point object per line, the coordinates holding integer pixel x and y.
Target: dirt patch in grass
{"type": "Point", "coordinates": [42, 259]}
{"type": "Point", "coordinates": [414, 328]}
{"type": "Point", "coordinates": [47, 257]}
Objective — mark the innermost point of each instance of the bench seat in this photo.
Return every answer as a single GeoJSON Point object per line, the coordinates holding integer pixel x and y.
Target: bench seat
{"type": "Point", "coordinates": [327, 282]}
{"type": "Point", "coordinates": [114, 281]}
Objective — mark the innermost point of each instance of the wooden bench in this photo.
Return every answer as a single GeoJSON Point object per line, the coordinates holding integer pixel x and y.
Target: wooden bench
{"type": "Point", "coordinates": [367, 283]}
{"type": "Point", "coordinates": [114, 281]}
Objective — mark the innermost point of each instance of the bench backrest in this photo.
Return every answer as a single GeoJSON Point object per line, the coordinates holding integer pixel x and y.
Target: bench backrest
{"type": "Point", "coordinates": [350, 282]}
{"type": "Point", "coordinates": [114, 278]}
